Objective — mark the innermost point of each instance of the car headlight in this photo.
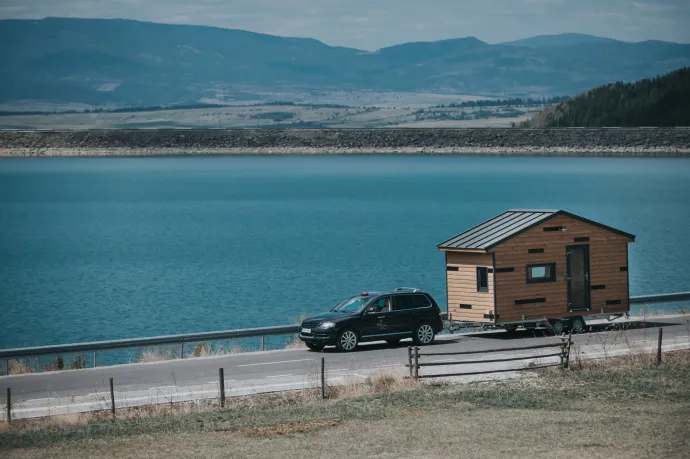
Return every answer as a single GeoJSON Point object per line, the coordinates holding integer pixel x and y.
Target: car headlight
{"type": "Point", "coordinates": [326, 325]}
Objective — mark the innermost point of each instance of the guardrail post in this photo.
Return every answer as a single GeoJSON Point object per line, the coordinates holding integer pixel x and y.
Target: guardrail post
{"type": "Point", "coordinates": [416, 363]}
{"type": "Point", "coordinates": [323, 378]}
{"type": "Point", "coordinates": [658, 349]}
{"type": "Point", "coordinates": [7, 368]}
{"type": "Point", "coordinates": [112, 397]}
{"type": "Point", "coordinates": [182, 350]}
{"type": "Point", "coordinates": [221, 376]}
{"type": "Point", "coordinates": [9, 406]}
{"type": "Point", "coordinates": [94, 359]}
{"type": "Point", "coordinates": [262, 343]}
{"type": "Point", "coordinates": [409, 359]}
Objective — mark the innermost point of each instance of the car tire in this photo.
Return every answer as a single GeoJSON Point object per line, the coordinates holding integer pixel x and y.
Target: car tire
{"type": "Point", "coordinates": [556, 327]}
{"type": "Point", "coordinates": [424, 334]}
{"type": "Point", "coordinates": [393, 341]}
{"type": "Point", "coordinates": [314, 347]}
{"type": "Point", "coordinates": [577, 325]}
{"type": "Point", "coordinates": [347, 340]}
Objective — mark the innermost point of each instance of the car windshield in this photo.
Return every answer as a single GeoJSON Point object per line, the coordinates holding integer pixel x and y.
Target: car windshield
{"type": "Point", "coordinates": [352, 304]}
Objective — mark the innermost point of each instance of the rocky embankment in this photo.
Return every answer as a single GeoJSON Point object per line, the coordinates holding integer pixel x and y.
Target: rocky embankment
{"type": "Point", "coordinates": [538, 142]}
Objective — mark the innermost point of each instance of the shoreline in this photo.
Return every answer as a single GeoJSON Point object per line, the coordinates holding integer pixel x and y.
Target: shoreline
{"type": "Point", "coordinates": [592, 142]}
{"type": "Point", "coordinates": [624, 152]}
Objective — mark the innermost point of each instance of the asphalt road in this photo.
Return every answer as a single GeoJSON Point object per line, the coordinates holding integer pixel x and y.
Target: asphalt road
{"type": "Point", "coordinates": [246, 373]}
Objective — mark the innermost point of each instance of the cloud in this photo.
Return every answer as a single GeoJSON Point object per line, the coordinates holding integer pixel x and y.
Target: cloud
{"type": "Point", "coordinates": [371, 24]}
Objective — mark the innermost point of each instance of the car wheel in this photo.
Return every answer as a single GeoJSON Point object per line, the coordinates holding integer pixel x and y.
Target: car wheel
{"type": "Point", "coordinates": [424, 334]}
{"type": "Point", "coordinates": [347, 340]}
{"type": "Point", "coordinates": [556, 327]}
{"type": "Point", "coordinates": [577, 325]}
{"type": "Point", "coordinates": [393, 341]}
{"type": "Point", "coordinates": [510, 328]}
{"type": "Point", "coordinates": [314, 347]}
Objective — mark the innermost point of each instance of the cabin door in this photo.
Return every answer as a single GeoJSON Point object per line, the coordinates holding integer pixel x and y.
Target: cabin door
{"type": "Point", "coordinates": [578, 277]}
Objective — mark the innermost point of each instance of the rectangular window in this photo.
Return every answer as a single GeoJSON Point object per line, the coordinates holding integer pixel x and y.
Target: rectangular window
{"type": "Point", "coordinates": [402, 302]}
{"type": "Point", "coordinates": [422, 301]}
{"type": "Point", "coordinates": [535, 250]}
{"type": "Point", "coordinates": [482, 279]}
{"type": "Point", "coordinates": [541, 273]}
{"type": "Point", "coordinates": [451, 268]}
{"type": "Point", "coordinates": [465, 306]}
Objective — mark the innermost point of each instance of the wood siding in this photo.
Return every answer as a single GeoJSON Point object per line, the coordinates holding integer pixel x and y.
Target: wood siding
{"type": "Point", "coordinates": [608, 252]}
{"type": "Point", "coordinates": [462, 286]}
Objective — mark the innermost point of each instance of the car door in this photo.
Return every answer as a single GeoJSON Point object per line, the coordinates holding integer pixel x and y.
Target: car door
{"type": "Point", "coordinates": [404, 314]}
{"type": "Point", "coordinates": [375, 323]}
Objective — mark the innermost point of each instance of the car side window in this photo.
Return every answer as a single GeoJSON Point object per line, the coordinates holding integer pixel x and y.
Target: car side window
{"type": "Point", "coordinates": [422, 301]}
{"type": "Point", "coordinates": [382, 304]}
{"type": "Point", "coordinates": [402, 302]}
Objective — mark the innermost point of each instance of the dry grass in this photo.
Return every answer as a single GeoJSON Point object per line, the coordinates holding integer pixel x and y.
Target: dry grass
{"type": "Point", "coordinates": [651, 430]}
{"type": "Point", "coordinates": [19, 367]}
{"type": "Point", "coordinates": [294, 343]}
{"type": "Point", "coordinates": [156, 355]}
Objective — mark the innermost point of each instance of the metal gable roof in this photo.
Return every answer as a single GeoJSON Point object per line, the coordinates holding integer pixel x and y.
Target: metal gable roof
{"type": "Point", "coordinates": [506, 225]}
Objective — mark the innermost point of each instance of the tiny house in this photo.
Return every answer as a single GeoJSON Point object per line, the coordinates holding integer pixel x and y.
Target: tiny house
{"type": "Point", "coordinates": [537, 267]}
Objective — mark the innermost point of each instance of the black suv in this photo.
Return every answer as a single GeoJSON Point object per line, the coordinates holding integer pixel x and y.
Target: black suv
{"type": "Point", "coordinates": [374, 316]}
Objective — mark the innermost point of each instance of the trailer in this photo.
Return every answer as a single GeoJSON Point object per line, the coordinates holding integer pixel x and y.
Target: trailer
{"type": "Point", "coordinates": [535, 268]}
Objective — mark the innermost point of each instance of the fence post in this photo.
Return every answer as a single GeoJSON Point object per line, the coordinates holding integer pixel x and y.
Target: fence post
{"type": "Point", "coordinates": [112, 397]}
{"type": "Point", "coordinates": [416, 363]}
{"type": "Point", "coordinates": [9, 406]}
{"type": "Point", "coordinates": [567, 350]}
{"type": "Point", "coordinates": [221, 376]}
{"type": "Point", "coordinates": [658, 350]}
{"type": "Point", "coordinates": [409, 359]}
{"type": "Point", "coordinates": [323, 378]}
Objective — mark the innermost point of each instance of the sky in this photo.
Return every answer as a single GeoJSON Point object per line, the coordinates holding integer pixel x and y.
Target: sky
{"type": "Point", "coordinates": [373, 24]}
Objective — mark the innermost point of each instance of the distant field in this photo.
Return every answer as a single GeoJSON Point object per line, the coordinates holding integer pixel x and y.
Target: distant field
{"type": "Point", "coordinates": [280, 116]}
{"type": "Point", "coordinates": [329, 109]}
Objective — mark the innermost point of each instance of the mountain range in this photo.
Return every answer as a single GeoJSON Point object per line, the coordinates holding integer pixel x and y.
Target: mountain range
{"type": "Point", "coordinates": [125, 62]}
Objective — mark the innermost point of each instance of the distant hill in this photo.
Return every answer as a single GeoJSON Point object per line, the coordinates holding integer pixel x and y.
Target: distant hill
{"type": "Point", "coordinates": [563, 39]}
{"type": "Point", "coordinates": [128, 63]}
{"type": "Point", "coordinates": [660, 101]}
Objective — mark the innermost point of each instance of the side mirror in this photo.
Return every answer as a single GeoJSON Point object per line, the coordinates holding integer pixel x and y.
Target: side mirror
{"type": "Point", "coordinates": [370, 310]}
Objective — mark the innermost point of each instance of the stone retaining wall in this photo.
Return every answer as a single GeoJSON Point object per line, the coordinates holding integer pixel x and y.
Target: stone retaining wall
{"type": "Point", "coordinates": [604, 142]}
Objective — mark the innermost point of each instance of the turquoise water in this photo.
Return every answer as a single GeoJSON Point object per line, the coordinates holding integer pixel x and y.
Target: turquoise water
{"type": "Point", "coordinates": [104, 248]}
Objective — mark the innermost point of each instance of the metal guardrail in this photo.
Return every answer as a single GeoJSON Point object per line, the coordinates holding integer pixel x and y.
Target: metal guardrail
{"type": "Point", "coordinates": [182, 340]}
{"type": "Point", "coordinates": [662, 298]}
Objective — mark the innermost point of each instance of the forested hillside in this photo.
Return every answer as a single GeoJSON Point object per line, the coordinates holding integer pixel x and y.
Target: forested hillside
{"type": "Point", "coordinates": [660, 101]}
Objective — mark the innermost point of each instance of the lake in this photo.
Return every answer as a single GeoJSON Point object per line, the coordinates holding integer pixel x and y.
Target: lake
{"type": "Point", "coordinates": [105, 248]}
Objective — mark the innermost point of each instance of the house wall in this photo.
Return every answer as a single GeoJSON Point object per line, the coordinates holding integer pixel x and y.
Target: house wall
{"type": "Point", "coordinates": [462, 286]}
{"type": "Point", "coordinates": [608, 252]}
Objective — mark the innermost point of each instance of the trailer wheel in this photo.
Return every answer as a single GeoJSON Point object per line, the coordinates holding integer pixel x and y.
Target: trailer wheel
{"type": "Point", "coordinates": [556, 326]}
{"type": "Point", "coordinates": [577, 325]}
{"type": "Point", "coordinates": [510, 328]}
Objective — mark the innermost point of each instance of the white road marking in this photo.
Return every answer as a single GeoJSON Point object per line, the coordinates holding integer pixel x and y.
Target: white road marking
{"type": "Point", "coordinates": [274, 363]}
{"type": "Point", "coordinates": [278, 376]}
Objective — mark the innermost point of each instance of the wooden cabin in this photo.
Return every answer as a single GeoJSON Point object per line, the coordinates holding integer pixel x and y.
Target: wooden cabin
{"type": "Point", "coordinates": [531, 266]}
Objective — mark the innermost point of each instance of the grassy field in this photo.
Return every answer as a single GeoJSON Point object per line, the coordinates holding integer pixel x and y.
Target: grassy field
{"type": "Point", "coordinates": [281, 116]}
{"type": "Point", "coordinates": [620, 408]}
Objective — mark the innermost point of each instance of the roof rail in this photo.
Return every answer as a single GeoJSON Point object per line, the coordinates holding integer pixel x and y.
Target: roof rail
{"type": "Point", "coordinates": [413, 289]}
